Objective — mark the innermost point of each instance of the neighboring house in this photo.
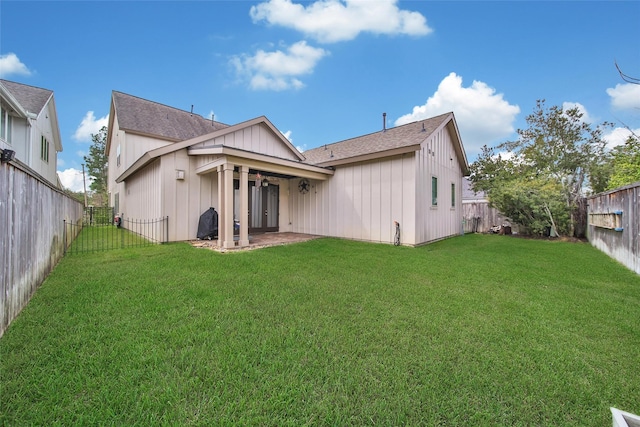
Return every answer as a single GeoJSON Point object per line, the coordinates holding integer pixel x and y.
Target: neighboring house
{"type": "Point", "coordinates": [168, 162]}
{"type": "Point", "coordinates": [29, 126]}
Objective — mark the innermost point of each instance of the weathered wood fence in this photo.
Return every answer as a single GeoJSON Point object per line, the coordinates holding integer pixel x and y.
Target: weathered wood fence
{"type": "Point", "coordinates": [479, 217]}
{"type": "Point", "coordinates": [31, 235]}
{"type": "Point", "coordinates": [613, 224]}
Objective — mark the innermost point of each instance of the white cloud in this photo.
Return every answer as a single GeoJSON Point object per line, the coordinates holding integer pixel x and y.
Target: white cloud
{"type": "Point", "coordinates": [89, 126]}
{"type": "Point", "coordinates": [11, 64]}
{"type": "Point", "coordinates": [618, 136]}
{"type": "Point", "coordinates": [72, 179]}
{"type": "Point", "coordinates": [332, 21]}
{"type": "Point", "coordinates": [483, 116]}
{"type": "Point", "coordinates": [625, 96]}
{"type": "Point", "coordinates": [287, 135]}
{"type": "Point", "coordinates": [278, 70]}
{"type": "Point", "coordinates": [586, 118]}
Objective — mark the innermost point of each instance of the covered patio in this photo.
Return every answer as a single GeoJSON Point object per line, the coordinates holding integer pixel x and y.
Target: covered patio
{"type": "Point", "coordinates": [231, 164]}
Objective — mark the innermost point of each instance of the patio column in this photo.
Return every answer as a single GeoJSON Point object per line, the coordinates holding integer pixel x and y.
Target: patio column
{"type": "Point", "coordinates": [227, 211]}
{"type": "Point", "coordinates": [220, 205]}
{"type": "Point", "coordinates": [243, 215]}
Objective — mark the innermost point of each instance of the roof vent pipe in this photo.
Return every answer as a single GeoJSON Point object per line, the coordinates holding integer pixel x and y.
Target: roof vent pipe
{"type": "Point", "coordinates": [384, 122]}
{"type": "Point", "coordinates": [192, 109]}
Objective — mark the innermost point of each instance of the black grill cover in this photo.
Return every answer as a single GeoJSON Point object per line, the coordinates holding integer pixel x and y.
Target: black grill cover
{"type": "Point", "coordinates": [208, 224]}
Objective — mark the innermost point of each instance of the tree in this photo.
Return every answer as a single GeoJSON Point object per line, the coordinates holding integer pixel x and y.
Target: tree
{"type": "Point", "coordinates": [625, 163]}
{"type": "Point", "coordinates": [97, 164]}
{"type": "Point", "coordinates": [552, 161]}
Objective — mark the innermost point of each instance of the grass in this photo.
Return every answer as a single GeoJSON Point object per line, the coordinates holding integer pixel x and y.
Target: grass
{"type": "Point", "coordinates": [106, 237]}
{"type": "Point", "coordinates": [474, 330]}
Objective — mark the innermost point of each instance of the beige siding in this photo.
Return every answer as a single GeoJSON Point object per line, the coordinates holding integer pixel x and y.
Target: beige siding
{"type": "Point", "coordinates": [142, 198]}
{"type": "Point", "coordinates": [437, 158]}
{"type": "Point", "coordinates": [359, 202]}
{"type": "Point", "coordinates": [257, 139]}
{"type": "Point", "coordinates": [132, 147]}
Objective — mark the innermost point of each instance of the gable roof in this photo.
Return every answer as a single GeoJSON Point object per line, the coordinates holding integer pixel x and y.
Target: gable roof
{"type": "Point", "coordinates": [144, 117]}
{"type": "Point", "coordinates": [32, 99]}
{"type": "Point", "coordinates": [220, 149]}
{"type": "Point", "coordinates": [397, 140]}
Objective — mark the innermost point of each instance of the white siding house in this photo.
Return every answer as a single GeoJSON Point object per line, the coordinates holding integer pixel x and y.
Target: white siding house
{"type": "Point", "coordinates": [29, 127]}
{"type": "Point", "coordinates": [169, 162]}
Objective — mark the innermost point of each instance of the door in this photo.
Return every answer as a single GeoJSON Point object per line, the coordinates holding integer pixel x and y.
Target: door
{"type": "Point", "coordinates": [263, 208]}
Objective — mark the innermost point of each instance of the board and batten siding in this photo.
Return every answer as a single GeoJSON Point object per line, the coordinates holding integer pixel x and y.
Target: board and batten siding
{"type": "Point", "coordinates": [32, 213]}
{"type": "Point", "coordinates": [437, 158]}
{"type": "Point", "coordinates": [142, 196]}
{"type": "Point", "coordinates": [360, 202]}
{"type": "Point", "coordinates": [258, 138]}
{"type": "Point", "coordinates": [131, 147]}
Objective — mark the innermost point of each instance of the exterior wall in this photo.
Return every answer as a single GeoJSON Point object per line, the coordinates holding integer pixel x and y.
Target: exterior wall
{"type": "Point", "coordinates": [361, 202]}
{"type": "Point", "coordinates": [184, 200]}
{"type": "Point", "coordinates": [438, 159]}
{"type": "Point", "coordinates": [32, 212]}
{"type": "Point", "coordinates": [132, 147]}
{"type": "Point", "coordinates": [617, 235]}
{"type": "Point", "coordinates": [19, 134]}
{"type": "Point", "coordinates": [141, 197]}
{"type": "Point", "coordinates": [258, 138]}
{"type": "Point", "coordinates": [42, 126]}
{"type": "Point", "coordinates": [25, 141]}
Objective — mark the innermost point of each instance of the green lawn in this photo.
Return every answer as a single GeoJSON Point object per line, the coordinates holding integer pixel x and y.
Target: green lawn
{"type": "Point", "coordinates": [474, 330]}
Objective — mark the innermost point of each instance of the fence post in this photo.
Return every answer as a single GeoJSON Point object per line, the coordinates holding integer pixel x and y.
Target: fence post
{"type": "Point", "coordinates": [166, 236]}
{"type": "Point", "coordinates": [64, 237]}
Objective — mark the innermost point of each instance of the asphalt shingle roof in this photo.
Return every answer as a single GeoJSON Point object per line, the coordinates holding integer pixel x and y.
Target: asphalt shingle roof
{"type": "Point", "coordinates": [151, 118]}
{"type": "Point", "coordinates": [31, 98]}
{"type": "Point", "coordinates": [384, 140]}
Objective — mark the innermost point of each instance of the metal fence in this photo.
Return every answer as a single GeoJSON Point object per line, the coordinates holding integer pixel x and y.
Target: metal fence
{"type": "Point", "coordinates": [97, 233]}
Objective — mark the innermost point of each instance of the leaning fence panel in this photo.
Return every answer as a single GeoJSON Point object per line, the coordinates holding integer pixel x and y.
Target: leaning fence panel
{"type": "Point", "coordinates": [127, 233]}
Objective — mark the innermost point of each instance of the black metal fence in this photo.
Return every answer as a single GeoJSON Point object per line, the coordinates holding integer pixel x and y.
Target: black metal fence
{"type": "Point", "coordinates": [99, 231]}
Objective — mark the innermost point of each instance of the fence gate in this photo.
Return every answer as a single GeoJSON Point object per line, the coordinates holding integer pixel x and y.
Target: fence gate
{"type": "Point", "coordinates": [100, 230]}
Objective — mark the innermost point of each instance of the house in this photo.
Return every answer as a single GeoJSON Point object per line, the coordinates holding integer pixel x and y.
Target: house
{"type": "Point", "coordinates": [29, 127]}
{"type": "Point", "coordinates": [169, 162]}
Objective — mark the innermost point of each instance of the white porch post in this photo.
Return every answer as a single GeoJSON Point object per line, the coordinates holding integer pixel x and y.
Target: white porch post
{"type": "Point", "coordinates": [244, 206]}
{"type": "Point", "coordinates": [227, 211]}
{"type": "Point", "coordinates": [220, 205]}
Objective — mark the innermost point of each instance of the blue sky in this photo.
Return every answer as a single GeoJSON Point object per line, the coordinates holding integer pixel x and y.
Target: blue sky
{"type": "Point", "coordinates": [324, 71]}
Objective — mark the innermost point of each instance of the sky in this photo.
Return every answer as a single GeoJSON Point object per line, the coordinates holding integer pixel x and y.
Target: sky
{"type": "Point", "coordinates": [324, 71]}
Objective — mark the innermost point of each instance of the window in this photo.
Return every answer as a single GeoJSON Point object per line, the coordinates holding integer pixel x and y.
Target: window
{"type": "Point", "coordinates": [5, 124]}
{"type": "Point", "coordinates": [453, 195]}
{"type": "Point", "coordinates": [434, 191]}
{"type": "Point", "coordinates": [118, 155]}
{"type": "Point", "coordinates": [44, 149]}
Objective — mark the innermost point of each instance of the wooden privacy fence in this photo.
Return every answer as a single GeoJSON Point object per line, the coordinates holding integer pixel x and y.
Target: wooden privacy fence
{"type": "Point", "coordinates": [32, 237]}
{"type": "Point", "coordinates": [479, 217]}
{"type": "Point", "coordinates": [613, 224]}
{"type": "Point", "coordinates": [101, 235]}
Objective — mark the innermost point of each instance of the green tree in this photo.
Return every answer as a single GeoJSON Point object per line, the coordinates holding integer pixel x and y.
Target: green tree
{"type": "Point", "coordinates": [97, 164]}
{"type": "Point", "coordinates": [551, 163]}
{"type": "Point", "coordinates": [625, 163]}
